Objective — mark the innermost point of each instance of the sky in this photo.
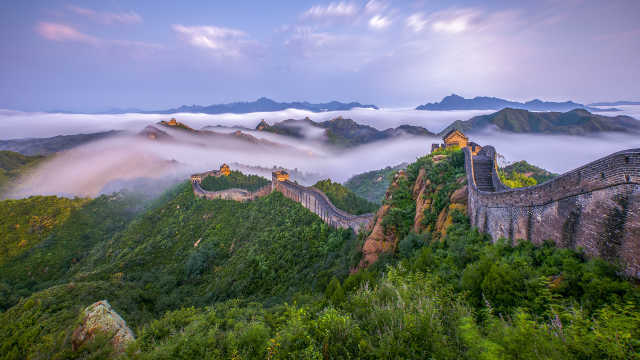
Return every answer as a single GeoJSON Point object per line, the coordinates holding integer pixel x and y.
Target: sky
{"type": "Point", "coordinates": [95, 55]}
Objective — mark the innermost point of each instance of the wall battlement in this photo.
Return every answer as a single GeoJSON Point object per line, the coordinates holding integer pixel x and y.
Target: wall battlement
{"type": "Point", "coordinates": [309, 197]}
{"type": "Point", "coordinates": [595, 207]}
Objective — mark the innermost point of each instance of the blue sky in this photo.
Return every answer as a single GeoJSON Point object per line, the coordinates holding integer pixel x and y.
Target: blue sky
{"type": "Point", "coordinates": [92, 55]}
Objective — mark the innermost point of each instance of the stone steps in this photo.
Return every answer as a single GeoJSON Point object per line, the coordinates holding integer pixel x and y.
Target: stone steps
{"type": "Point", "coordinates": [482, 169]}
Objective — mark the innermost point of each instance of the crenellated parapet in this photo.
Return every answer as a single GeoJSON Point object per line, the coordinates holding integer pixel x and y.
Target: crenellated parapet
{"type": "Point", "coordinates": [309, 197]}
{"type": "Point", "coordinates": [318, 202]}
{"type": "Point", "coordinates": [595, 207]}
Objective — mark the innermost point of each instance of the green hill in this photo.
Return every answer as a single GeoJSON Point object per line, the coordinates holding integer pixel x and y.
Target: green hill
{"type": "Point", "coordinates": [345, 199]}
{"type": "Point", "coordinates": [236, 179]}
{"type": "Point", "coordinates": [198, 278]}
{"type": "Point", "coordinates": [372, 185]}
{"type": "Point", "coordinates": [12, 165]}
{"type": "Point", "coordinates": [574, 122]}
{"type": "Point", "coordinates": [523, 167]}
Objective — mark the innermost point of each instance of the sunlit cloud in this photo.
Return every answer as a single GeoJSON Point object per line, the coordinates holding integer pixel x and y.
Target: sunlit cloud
{"type": "Point", "coordinates": [416, 22]}
{"type": "Point", "coordinates": [106, 17]}
{"type": "Point", "coordinates": [64, 33]}
{"type": "Point", "coordinates": [379, 22]}
{"type": "Point", "coordinates": [454, 21]}
{"type": "Point", "coordinates": [375, 6]}
{"type": "Point", "coordinates": [221, 41]}
{"type": "Point", "coordinates": [339, 9]}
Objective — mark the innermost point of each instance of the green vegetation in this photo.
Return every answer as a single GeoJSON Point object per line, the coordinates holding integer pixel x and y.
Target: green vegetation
{"type": "Point", "coordinates": [523, 167]}
{"type": "Point", "coordinates": [515, 179]}
{"type": "Point", "coordinates": [372, 185]}
{"type": "Point", "coordinates": [345, 199]}
{"type": "Point", "coordinates": [218, 279]}
{"type": "Point", "coordinates": [235, 180]}
{"type": "Point", "coordinates": [25, 223]}
{"type": "Point", "coordinates": [12, 165]}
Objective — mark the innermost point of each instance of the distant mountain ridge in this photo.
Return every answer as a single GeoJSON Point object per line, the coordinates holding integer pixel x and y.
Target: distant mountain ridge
{"type": "Point", "coordinates": [263, 104]}
{"type": "Point", "coordinates": [46, 146]}
{"type": "Point", "coordinates": [615, 103]}
{"type": "Point", "coordinates": [574, 122]}
{"type": "Point", "coordinates": [456, 102]}
{"type": "Point", "coordinates": [341, 131]}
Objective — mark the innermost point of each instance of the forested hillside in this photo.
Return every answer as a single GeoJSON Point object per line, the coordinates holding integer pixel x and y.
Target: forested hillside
{"type": "Point", "coordinates": [215, 279]}
{"type": "Point", "coordinates": [372, 185]}
{"type": "Point", "coordinates": [12, 165]}
{"type": "Point", "coordinates": [345, 199]}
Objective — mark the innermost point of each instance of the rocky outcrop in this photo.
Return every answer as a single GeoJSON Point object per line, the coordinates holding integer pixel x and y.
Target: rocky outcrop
{"type": "Point", "coordinates": [381, 239]}
{"type": "Point", "coordinates": [97, 318]}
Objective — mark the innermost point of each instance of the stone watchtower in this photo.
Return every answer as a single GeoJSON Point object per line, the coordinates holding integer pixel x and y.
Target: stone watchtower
{"type": "Point", "coordinates": [173, 122]}
{"type": "Point", "coordinates": [225, 170]}
{"type": "Point", "coordinates": [277, 176]}
{"type": "Point", "coordinates": [456, 138]}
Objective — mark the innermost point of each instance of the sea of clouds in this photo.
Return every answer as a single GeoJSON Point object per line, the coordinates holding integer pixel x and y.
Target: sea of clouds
{"type": "Point", "coordinates": [107, 164]}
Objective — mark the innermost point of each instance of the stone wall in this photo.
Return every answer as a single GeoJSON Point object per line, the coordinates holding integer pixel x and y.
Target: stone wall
{"type": "Point", "coordinates": [595, 207]}
{"type": "Point", "coordinates": [230, 194]}
{"type": "Point", "coordinates": [311, 198]}
{"type": "Point", "coordinates": [317, 202]}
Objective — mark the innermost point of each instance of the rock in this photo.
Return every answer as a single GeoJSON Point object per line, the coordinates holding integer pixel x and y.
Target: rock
{"type": "Point", "coordinates": [437, 158]}
{"type": "Point", "coordinates": [100, 317]}
{"type": "Point", "coordinates": [460, 196]}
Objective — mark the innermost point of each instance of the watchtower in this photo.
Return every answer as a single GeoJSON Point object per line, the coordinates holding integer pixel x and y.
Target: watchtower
{"type": "Point", "coordinates": [225, 170]}
{"type": "Point", "coordinates": [173, 122]}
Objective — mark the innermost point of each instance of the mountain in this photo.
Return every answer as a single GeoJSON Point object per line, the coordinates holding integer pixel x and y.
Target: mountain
{"type": "Point", "coordinates": [373, 184]}
{"type": "Point", "coordinates": [261, 105]}
{"type": "Point", "coordinates": [455, 102]}
{"type": "Point", "coordinates": [574, 122]}
{"type": "Point", "coordinates": [267, 279]}
{"type": "Point", "coordinates": [526, 169]}
{"type": "Point", "coordinates": [615, 103]}
{"type": "Point", "coordinates": [341, 131]}
{"type": "Point", "coordinates": [12, 165]}
{"type": "Point", "coordinates": [46, 146]}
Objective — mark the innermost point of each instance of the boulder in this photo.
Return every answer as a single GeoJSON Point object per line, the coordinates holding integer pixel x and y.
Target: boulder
{"type": "Point", "coordinates": [99, 317]}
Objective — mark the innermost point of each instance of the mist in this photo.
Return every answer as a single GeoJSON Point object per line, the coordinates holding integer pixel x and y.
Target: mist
{"type": "Point", "coordinates": [129, 160]}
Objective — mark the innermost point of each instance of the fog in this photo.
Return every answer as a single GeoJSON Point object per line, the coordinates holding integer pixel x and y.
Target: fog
{"type": "Point", "coordinates": [18, 124]}
{"type": "Point", "coordinates": [134, 161]}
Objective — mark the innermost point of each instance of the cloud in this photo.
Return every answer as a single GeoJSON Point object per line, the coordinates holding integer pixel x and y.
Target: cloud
{"type": "Point", "coordinates": [63, 33]}
{"type": "Point", "coordinates": [454, 21]}
{"type": "Point", "coordinates": [333, 10]}
{"type": "Point", "coordinates": [107, 17]}
{"type": "Point", "coordinates": [374, 6]}
{"type": "Point", "coordinates": [379, 22]}
{"type": "Point", "coordinates": [416, 22]}
{"type": "Point", "coordinates": [66, 33]}
{"type": "Point", "coordinates": [222, 41]}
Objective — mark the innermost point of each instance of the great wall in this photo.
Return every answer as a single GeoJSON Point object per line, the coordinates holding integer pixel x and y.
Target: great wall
{"type": "Point", "coordinates": [309, 197]}
{"type": "Point", "coordinates": [595, 207]}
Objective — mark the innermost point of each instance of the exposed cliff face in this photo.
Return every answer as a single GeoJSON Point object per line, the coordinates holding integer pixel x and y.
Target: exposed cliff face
{"type": "Point", "coordinates": [434, 202]}
{"type": "Point", "coordinates": [97, 318]}
{"type": "Point", "coordinates": [382, 238]}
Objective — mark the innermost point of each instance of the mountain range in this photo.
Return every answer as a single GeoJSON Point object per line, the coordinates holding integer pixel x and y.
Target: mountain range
{"type": "Point", "coordinates": [456, 102]}
{"type": "Point", "coordinates": [574, 122]}
{"type": "Point", "coordinates": [615, 103]}
{"type": "Point", "coordinates": [263, 104]}
{"type": "Point", "coordinates": [46, 146]}
{"type": "Point", "coordinates": [341, 131]}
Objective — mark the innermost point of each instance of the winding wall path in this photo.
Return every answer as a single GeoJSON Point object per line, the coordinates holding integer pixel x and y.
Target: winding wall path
{"type": "Point", "coordinates": [309, 197]}
{"type": "Point", "coordinates": [595, 207]}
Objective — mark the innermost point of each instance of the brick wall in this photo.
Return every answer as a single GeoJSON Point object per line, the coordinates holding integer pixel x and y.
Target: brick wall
{"type": "Point", "coordinates": [595, 207]}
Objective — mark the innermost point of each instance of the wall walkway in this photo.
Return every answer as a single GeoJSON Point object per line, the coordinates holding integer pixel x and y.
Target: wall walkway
{"type": "Point", "coordinates": [595, 207]}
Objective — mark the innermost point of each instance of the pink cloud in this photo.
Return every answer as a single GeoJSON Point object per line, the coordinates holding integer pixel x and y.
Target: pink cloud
{"type": "Point", "coordinates": [106, 17]}
{"type": "Point", "coordinates": [62, 32]}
